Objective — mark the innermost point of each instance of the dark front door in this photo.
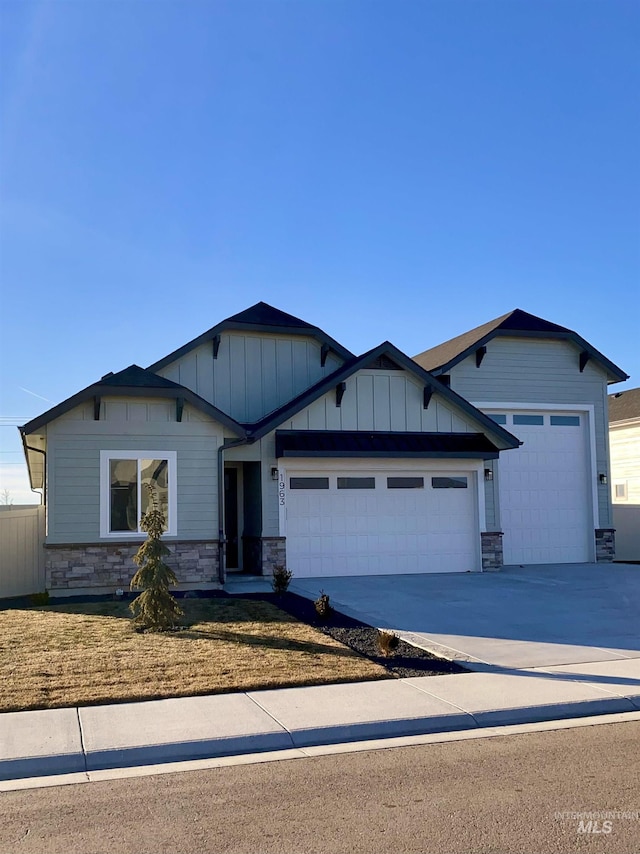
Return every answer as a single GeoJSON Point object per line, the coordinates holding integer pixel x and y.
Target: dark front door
{"type": "Point", "coordinates": [231, 516]}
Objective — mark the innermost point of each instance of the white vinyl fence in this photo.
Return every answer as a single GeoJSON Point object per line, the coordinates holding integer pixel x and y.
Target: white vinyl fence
{"type": "Point", "coordinates": [22, 532]}
{"type": "Point", "coordinates": [626, 521]}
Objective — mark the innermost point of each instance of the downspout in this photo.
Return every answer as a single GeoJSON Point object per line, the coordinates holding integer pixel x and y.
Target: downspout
{"type": "Point", "coordinates": [233, 443]}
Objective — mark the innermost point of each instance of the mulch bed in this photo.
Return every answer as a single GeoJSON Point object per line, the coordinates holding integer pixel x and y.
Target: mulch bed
{"type": "Point", "coordinates": [407, 661]}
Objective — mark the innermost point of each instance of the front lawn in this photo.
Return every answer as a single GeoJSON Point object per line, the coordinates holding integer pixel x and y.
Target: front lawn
{"type": "Point", "coordinates": [83, 654]}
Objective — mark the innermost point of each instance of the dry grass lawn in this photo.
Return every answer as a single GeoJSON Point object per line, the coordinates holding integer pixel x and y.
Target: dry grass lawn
{"type": "Point", "coordinates": [83, 654]}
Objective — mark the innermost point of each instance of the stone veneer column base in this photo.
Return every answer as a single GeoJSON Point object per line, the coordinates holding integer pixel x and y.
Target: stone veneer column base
{"type": "Point", "coordinates": [605, 544]}
{"type": "Point", "coordinates": [274, 553]}
{"type": "Point", "coordinates": [492, 554]}
{"type": "Point", "coordinates": [111, 564]}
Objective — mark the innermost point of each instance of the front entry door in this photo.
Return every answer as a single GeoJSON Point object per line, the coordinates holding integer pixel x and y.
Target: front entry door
{"type": "Point", "coordinates": [231, 516]}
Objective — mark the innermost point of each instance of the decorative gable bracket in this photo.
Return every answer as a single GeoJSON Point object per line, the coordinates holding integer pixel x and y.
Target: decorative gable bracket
{"type": "Point", "coordinates": [179, 408]}
{"type": "Point", "coordinates": [96, 408]}
{"type": "Point", "coordinates": [481, 352]}
{"type": "Point", "coordinates": [216, 345]}
{"type": "Point", "coordinates": [324, 352]}
{"type": "Point", "coordinates": [427, 394]}
{"type": "Point", "coordinates": [340, 390]}
{"type": "Point", "coordinates": [584, 358]}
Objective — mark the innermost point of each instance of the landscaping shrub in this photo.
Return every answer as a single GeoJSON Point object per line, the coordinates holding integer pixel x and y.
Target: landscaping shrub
{"type": "Point", "coordinates": [387, 642]}
{"type": "Point", "coordinates": [155, 609]}
{"type": "Point", "coordinates": [322, 605]}
{"type": "Point", "coordinates": [280, 580]}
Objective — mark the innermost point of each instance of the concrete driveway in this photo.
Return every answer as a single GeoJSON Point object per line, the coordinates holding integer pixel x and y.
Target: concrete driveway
{"type": "Point", "coordinates": [532, 616]}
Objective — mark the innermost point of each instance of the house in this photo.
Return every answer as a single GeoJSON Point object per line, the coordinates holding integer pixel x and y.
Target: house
{"type": "Point", "coordinates": [266, 442]}
{"type": "Point", "coordinates": [547, 386]}
{"type": "Point", "coordinates": [624, 443]}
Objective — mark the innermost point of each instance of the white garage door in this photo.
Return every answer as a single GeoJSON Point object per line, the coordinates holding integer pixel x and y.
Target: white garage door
{"type": "Point", "coordinates": [372, 523]}
{"type": "Point", "coordinates": [545, 498]}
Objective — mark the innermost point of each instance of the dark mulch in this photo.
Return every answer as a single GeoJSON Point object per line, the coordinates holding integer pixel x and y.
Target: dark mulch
{"type": "Point", "coordinates": [407, 660]}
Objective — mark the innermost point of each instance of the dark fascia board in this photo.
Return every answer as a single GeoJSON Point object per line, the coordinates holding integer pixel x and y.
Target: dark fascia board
{"type": "Point", "coordinates": [438, 455]}
{"type": "Point", "coordinates": [613, 370]}
{"type": "Point", "coordinates": [230, 325]}
{"type": "Point", "coordinates": [261, 428]}
{"type": "Point", "coordinates": [104, 390]}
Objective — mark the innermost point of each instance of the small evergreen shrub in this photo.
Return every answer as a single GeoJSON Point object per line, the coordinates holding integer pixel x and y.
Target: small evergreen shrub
{"type": "Point", "coordinates": [387, 642]}
{"type": "Point", "coordinates": [155, 609]}
{"type": "Point", "coordinates": [322, 605]}
{"type": "Point", "coordinates": [280, 579]}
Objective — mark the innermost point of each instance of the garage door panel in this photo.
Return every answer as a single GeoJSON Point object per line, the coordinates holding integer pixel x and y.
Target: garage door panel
{"type": "Point", "coordinates": [544, 493]}
{"type": "Point", "coordinates": [381, 530]}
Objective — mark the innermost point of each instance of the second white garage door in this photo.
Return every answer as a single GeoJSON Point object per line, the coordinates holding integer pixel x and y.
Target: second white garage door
{"type": "Point", "coordinates": [372, 523]}
{"type": "Point", "coordinates": [545, 492]}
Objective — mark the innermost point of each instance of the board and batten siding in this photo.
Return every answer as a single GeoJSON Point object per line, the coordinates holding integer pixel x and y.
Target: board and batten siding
{"type": "Point", "coordinates": [538, 371]}
{"type": "Point", "coordinates": [373, 400]}
{"type": "Point", "coordinates": [253, 374]}
{"type": "Point", "coordinates": [73, 464]}
{"type": "Point", "coordinates": [624, 442]}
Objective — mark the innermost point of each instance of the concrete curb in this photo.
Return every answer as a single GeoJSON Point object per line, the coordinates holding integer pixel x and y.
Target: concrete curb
{"type": "Point", "coordinates": [63, 741]}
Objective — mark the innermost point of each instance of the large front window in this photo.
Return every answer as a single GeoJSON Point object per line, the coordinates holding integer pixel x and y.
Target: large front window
{"type": "Point", "coordinates": [133, 482]}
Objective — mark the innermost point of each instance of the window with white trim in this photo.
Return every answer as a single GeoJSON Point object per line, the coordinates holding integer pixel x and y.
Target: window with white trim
{"type": "Point", "coordinates": [131, 483]}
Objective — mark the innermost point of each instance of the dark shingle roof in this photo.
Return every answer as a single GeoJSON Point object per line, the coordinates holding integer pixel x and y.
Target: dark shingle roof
{"type": "Point", "coordinates": [260, 317]}
{"type": "Point", "coordinates": [133, 381]}
{"type": "Point", "coordinates": [515, 323]}
{"type": "Point", "coordinates": [347, 443]}
{"type": "Point", "coordinates": [624, 405]}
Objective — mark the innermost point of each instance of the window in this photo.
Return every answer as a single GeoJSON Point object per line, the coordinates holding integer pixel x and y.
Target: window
{"type": "Point", "coordinates": [405, 483]}
{"type": "Point", "coordinates": [565, 420]}
{"type": "Point", "coordinates": [528, 419]}
{"type": "Point", "coordinates": [356, 483]}
{"type": "Point", "coordinates": [499, 419]}
{"type": "Point", "coordinates": [620, 490]}
{"type": "Point", "coordinates": [449, 482]}
{"type": "Point", "coordinates": [132, 482]}
{"type": "Point", "coordinates": [309, 483]}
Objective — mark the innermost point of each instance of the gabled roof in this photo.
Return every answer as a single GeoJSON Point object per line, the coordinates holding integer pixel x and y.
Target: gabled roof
{"type": "Point", "coordinates": [624, 405]}
{"type": "Point", "coordinates": [515, 323]}
{"type": "Point", "coordinates": [261, 317]}
{"type": "Point", "coordinates": [275, 418]}
{"type": "Point", "coordinates": [133, 381]}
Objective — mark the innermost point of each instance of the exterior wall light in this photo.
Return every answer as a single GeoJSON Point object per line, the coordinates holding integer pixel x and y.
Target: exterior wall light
{"type": "Point", "coordinates": [274, 472]}
{"type": "Point", "coordinates": [488, 474]}
{"type": "Point", "coordinates": [602, 478]}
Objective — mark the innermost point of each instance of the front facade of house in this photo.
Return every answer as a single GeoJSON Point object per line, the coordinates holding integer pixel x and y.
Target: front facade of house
{"type": "Point", "coordinates": [265, 442]}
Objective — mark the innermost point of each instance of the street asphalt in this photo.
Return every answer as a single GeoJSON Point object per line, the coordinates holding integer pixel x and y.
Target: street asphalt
{"type": "Point", "coordinates": [548, 679]}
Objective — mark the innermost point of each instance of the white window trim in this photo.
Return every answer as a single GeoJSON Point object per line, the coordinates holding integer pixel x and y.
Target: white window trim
{"type": "Point", "coordinates": [105, 458]}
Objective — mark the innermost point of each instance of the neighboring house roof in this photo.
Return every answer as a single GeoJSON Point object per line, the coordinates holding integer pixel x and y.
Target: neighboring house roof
{"type": "Point", "coordinates": [133, 381]}
{"type": "Point", "coordinates": [354, 443]}
{"type": "Point", "coordinates": [517, 323]}
{"type": "Point", "coordinates": [388, 350]}
{"type": "Point", "coordinates": [624, 405]}
{"type": "Point", "coordinates": [261, 317]}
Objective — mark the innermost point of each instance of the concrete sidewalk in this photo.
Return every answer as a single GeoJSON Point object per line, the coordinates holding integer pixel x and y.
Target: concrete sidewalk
{"type": "Point", "coordinates": [60, 741]}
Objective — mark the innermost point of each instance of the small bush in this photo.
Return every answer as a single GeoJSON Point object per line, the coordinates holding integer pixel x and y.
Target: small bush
{"type": "Point", "coordinates": [280, 580]}
{"type": "Point", "coordinates": [40, 598]}
{"type": "Point", "coordinates": [322, 605]}
{"type": "Point", "coordinates": [388, 643]}
{"type": "Point", "coordinates": [155, 609]}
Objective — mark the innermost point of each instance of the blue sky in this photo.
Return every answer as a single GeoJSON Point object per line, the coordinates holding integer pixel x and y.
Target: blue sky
{"type": "Point", "coordinates": [385, 170]}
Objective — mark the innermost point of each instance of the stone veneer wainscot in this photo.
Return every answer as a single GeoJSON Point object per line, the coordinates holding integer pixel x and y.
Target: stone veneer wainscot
{"type": "Point", "coordinates": [111, 564]}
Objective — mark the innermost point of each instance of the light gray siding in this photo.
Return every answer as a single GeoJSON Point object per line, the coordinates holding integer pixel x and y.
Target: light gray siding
{"type": "Point", "coordinates": [73, 464]}
{"type": "Point", "coordinates": [538, 371]}
{"type": "Point", "coordinates": [253, 373]}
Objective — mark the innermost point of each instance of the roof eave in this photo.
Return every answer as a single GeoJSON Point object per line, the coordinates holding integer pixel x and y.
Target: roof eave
{"type": "Point", "coordinates": [228, 326]}
{"type": "Point", "coordinates": [616, 374]}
